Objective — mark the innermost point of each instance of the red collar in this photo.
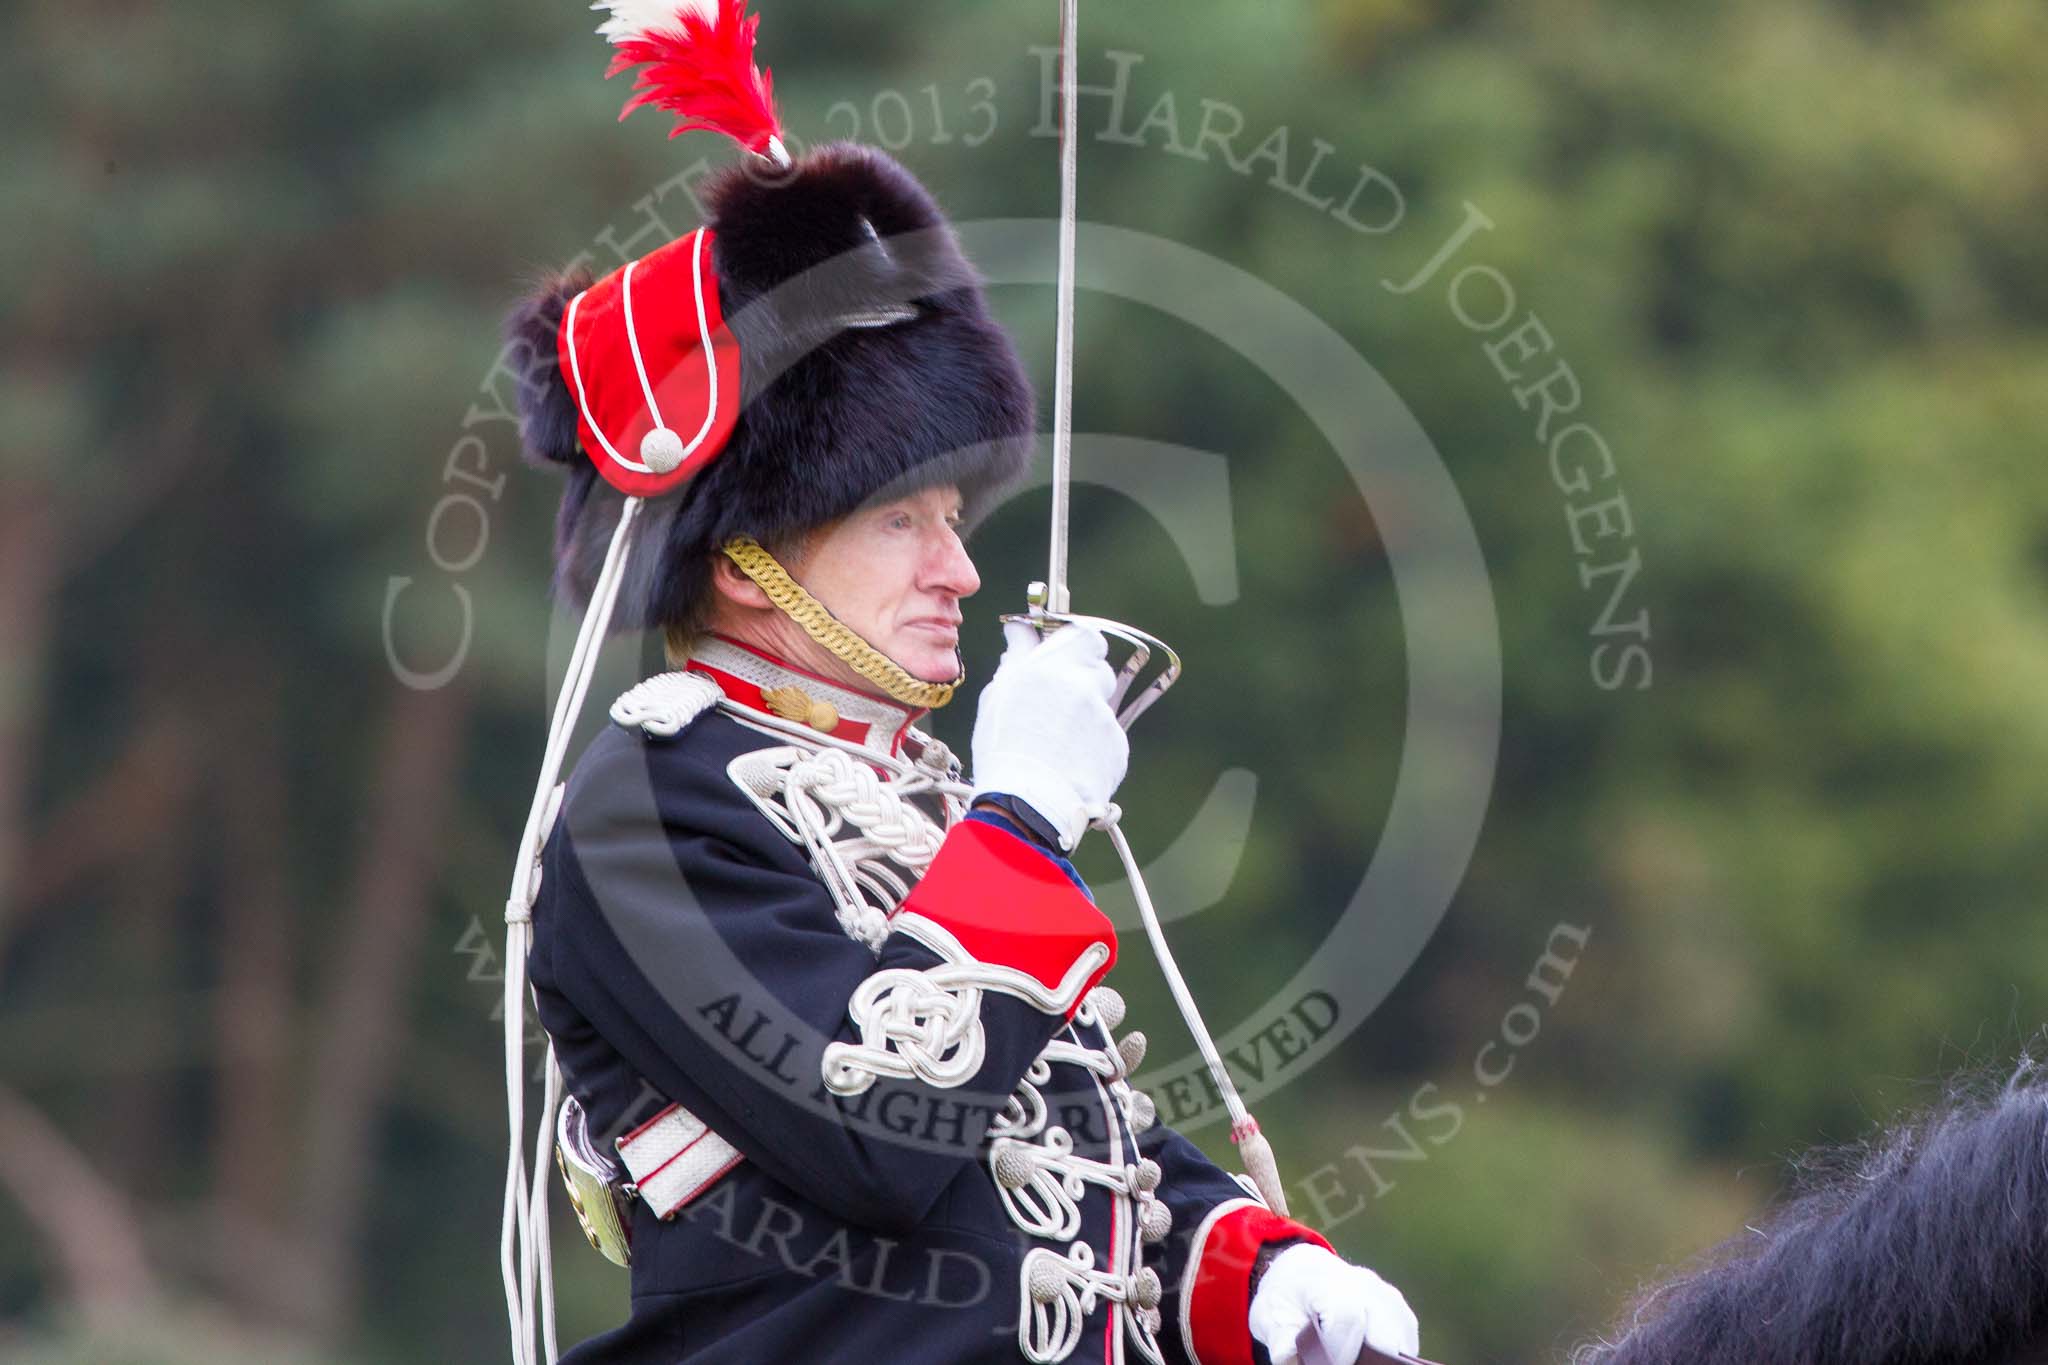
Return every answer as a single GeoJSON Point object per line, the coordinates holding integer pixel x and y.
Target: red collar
{"type": "Point", "coordinates": [744, 674]}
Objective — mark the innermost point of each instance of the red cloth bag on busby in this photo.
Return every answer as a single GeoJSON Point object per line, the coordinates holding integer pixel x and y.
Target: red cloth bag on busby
{"type": "Point", "coordinates": [851, 352]}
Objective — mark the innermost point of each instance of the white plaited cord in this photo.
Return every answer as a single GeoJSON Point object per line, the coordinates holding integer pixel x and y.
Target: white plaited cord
{"type": "Point", "coordinates": [831, 788]}
{"type": "Point", "coordinates": [544, 1255]}
{"type": "Point", "coordinates": [525, 1258]}
{"type": "Point", "coordinates": [909, 777]}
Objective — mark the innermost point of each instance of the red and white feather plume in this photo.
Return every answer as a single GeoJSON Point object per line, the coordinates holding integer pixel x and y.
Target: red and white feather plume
{"type": "Point", "coordinates": [697, 62]}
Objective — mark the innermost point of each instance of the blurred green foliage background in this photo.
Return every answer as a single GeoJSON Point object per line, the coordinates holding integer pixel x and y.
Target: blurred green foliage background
{"type": "Point", "coordinates": [1791, 252]}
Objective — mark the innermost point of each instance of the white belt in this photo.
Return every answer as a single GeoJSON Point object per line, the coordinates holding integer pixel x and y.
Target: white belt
{"type": "Point", "coordinates": [673, 1158]}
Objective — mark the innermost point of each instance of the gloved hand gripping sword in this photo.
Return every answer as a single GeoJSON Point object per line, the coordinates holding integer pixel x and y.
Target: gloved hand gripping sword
{"type": "Point", "coordinates": [1049, 612]}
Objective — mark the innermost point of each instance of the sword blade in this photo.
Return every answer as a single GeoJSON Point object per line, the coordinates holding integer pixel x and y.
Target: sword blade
{"type": "Point", "coordinates": [1063, 343]}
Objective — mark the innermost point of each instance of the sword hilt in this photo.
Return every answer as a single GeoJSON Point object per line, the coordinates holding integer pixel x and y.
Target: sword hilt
{"type": "Point", "coordinates": [1127, 703]}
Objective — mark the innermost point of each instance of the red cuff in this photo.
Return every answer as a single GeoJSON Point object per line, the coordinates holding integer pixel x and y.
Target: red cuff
{"type": "Point", "coordinates": [1009, 906]}
{"type": "Point", "coordinates": [1216, 1297]}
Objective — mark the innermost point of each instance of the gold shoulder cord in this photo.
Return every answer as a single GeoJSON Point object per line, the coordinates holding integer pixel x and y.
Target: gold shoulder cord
{"type": "Point", "coordinates": [828, 630]}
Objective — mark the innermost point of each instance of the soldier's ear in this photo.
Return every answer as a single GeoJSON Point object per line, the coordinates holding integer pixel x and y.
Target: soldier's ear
{"type": "Point", "coordinates": [733, 589]}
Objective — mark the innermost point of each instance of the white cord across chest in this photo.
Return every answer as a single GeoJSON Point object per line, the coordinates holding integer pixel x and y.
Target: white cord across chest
{"type": "Point", "coordinates": [867, 840]}
{"type": "Point", "coordinates": [869, 844]}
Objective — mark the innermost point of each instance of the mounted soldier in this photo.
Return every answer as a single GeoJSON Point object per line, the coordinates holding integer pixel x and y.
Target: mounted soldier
{"type": "Point", "coordinates": [840, 1074]}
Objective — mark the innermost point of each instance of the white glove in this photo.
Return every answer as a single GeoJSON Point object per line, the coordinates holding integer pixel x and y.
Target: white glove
{"type": "Point", "coordinates": [1314, 1308]}
{"type": "Point", "coordinates": [1043, 730]}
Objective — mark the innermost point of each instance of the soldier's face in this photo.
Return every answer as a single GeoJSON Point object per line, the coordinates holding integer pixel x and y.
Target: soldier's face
{"type": "Point", "coordinates": [896, 572]}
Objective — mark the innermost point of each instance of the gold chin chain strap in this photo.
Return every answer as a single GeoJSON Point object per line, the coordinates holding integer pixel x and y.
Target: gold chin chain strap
{"type": "Point", "coordinates": [828, 630]}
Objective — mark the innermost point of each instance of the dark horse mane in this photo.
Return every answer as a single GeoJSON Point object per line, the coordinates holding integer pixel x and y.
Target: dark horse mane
{"type": "Point", "coordinates": [1927, 1244]}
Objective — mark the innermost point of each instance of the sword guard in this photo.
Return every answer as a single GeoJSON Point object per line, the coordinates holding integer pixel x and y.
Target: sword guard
{"type": "Point", "coordinates": [1128, 703]}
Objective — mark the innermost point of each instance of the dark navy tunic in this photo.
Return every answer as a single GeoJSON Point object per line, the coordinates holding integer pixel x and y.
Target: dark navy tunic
{"type": "Point", "coordinates": [685, 950]}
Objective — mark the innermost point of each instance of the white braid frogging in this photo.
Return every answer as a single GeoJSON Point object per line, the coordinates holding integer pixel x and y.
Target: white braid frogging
{"type": "Point", "coordinates": [1041, 1181]}
{"type": "Point", "coordinates": [1061, 1291]}
{"type": "Point", "coordinates": [847, 806]}
{"type": "Point", "coordinates": [908, 1029]}
{"type": "Point", "coordinates": [914, 1024]}
{"type": "Point", "coordinates": [869, 845]}
{"type": "Point", "coordinates": [815, 795]}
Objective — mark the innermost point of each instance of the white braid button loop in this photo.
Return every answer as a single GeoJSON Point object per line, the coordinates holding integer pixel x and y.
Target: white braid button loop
{"type": "Point", "coordinates": [1061, 1291]}
{"type": "Point", "coordinates": [1041, 1183]}
{"type": "Point", "coordinates": [1105, 1006]}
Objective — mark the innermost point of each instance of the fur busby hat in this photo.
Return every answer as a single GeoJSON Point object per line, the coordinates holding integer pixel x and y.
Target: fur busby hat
{"type": "Point", "coordinates": [821, 341]}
